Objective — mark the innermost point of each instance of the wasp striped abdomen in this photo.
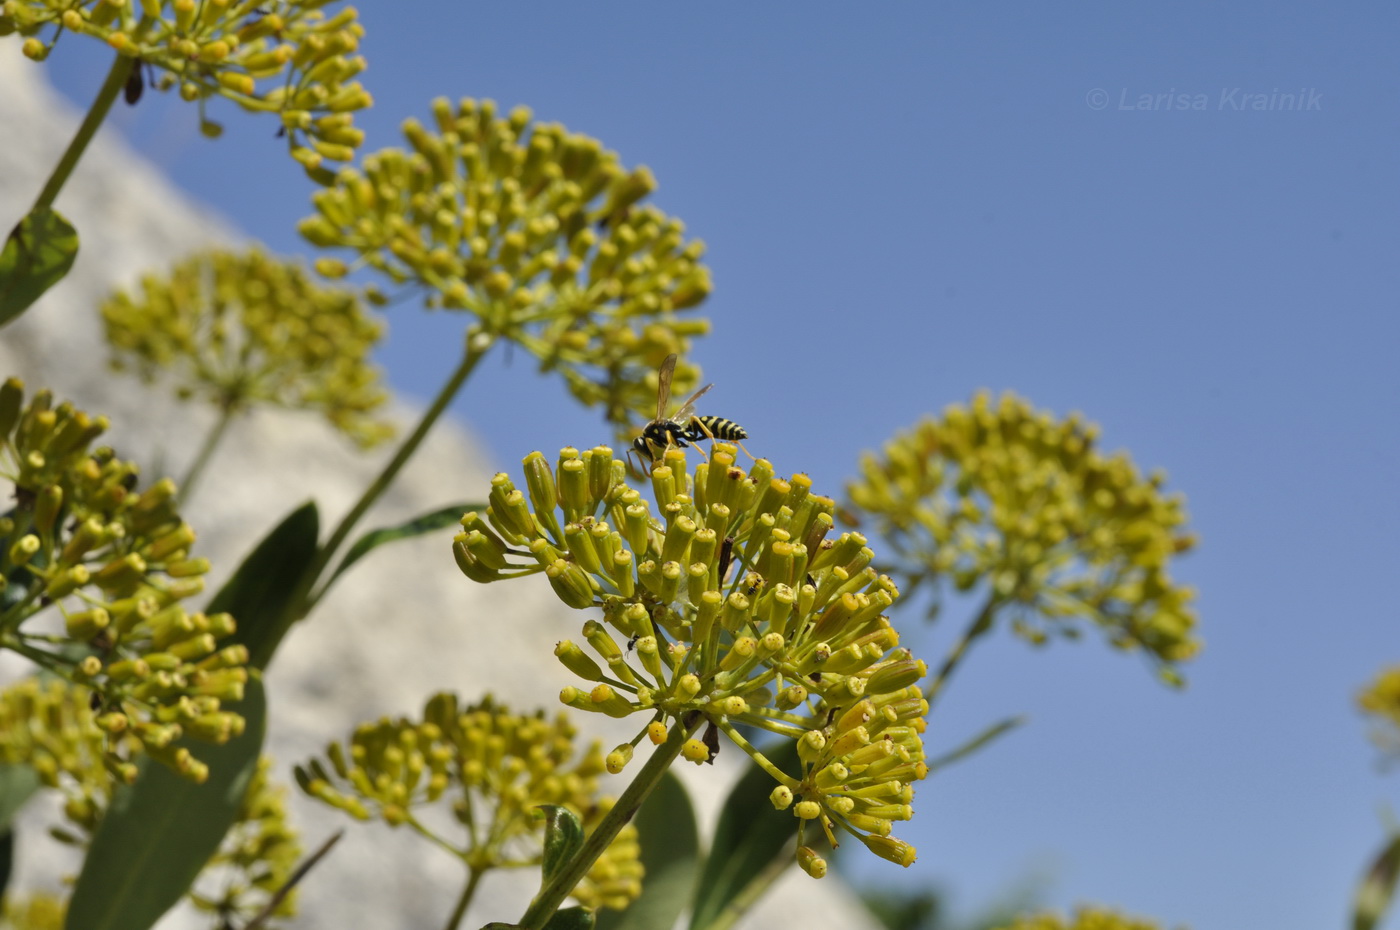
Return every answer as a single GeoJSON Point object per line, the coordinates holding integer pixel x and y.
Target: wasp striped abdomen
{"type": "Point", "coordinates": [714, 428]}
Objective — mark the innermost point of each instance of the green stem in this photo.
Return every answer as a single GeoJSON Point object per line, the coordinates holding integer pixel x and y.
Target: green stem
{"type": "Point", "coordinates": [975, 630]}
{"type": "Point", "coordinates": [465, 899]}
{"type": "Point", "coordinates": [116, 80]}
{"type": "Point", "coordinates": [553, 894]}
{"type": "Point", "coordinates": [206, 451]}
{"type": "Point", "coordinates": [303, 600]}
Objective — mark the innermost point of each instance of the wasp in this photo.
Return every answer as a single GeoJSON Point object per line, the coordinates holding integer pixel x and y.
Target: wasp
{"type": "Point", "coordinates": [684, 427]}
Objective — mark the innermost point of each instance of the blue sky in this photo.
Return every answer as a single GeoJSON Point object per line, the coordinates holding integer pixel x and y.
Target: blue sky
{"type": "Point", "coordinates": [904, 203]}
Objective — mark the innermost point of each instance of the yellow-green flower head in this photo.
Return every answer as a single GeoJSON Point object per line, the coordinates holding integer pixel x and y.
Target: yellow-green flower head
{"type": "Point", "coordinates": [723, 601]}
{"type": "Point", "coordinates": [38, 911]}
{"type": "Point", "coordinates": [1085, 918]}
{"type": "Point", "coordinates": [239, 330]}
{"type": "Point", "coordinates": [537, 232]}
{"type": "Point", "coordinates": [494, 768]}
{"type": "Point", "coordinates": [255, 859]}
{"type": "Point", "coordinates": [1380, 700]}
{"type": "Point", "coordinates": [279, 56]}
{"type": "Point", "coordinates": [115, 564]}
{"type": "Point", "coordinates": [1003, 496]}
{"type": "Point", "coordinates": [49, 726]}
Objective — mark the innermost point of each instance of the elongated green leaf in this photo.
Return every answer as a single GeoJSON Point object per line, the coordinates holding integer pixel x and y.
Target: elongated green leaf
{"type": "Point", "coordinates": [258, 593]}
{"type": "Point", "coordinates": [424, 523]}
{"type": "Point", "coordinates": [37, 254]}
{"type": "Point", "coordinates": [571, 918]}
{"type": "Point", "coordinates": [160, 831]}
{"type": "Point", "coordinates": [17, 783]}
{"type": "Point", "coordinates": [977, 742]}
{"type": "Point", "coordinates": [749, 838]}
{"type": "Point", "coordinates": [1377, 888]}
{"type": "Point", "coordinates": [670, 854]}
{"type": "Point", "coordinates": [563, 835]}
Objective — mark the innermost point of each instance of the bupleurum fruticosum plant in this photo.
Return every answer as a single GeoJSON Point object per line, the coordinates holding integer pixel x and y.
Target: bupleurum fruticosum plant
{"type": "Point", "coordinates": [49, 726]}
{"type": "Point", "coordinates": [304, 60]}
{"type": "Point", "coordinates": [242, 330]}
{"type": "Point", "coordinates": [1380, 701]}
{"type": "Point", "coordinates": [538, 233]}
{"type": "Point", "coordinates": [1001, 498]}
{"type": "Point", "coordinates": [115, 564]}
{"type": "Point", "coordinates": [741, 612]}
{"type": "Point", "coordinates": [495, 768]}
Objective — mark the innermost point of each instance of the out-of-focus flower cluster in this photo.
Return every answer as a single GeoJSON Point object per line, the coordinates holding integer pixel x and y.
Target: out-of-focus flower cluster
{"type": "Point", "coordinates": [540, 234]}
{"type": "Point", "coordinates": [244, 329]}
{"type": "Point", "coordinates": [1085, 918]}
{"type": "Point", "coordinates": [495, 768]}
{"type": "Point", "coordinates": [255, 859]}
{"type": "Point", "coordinates": [304, 60]}
{"type": "Point", "coordinates": [1001, 495]}
{"type": "Point", "coordinates": [40, 911]}
{"type": "Point", "coordinates": [740, 611]}
{"type": "Point", "coordinates": [49, 726]}
{"type": "Point", "coordinates": [115, 564]}
{"type": "Point", "coordinates": [1380, 700]}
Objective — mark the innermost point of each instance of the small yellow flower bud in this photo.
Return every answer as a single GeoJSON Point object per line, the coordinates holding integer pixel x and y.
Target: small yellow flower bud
{"type": "Point", "coordinates": [811, 863]}
{"type": "Point", "coordinates": [617, 759]}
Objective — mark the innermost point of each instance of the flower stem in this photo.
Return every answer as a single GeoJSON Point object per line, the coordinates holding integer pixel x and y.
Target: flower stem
{"type": "Point", "coordinates": [116, 80]}
{"type": "Point", "coordinates": [206, 451]}
{"type": "Point", "coordinates": [752, 891]}
{"type": "Point", "coordinates": [975, 630]}
{"type": "Point", "coordinates": [465, 899]}
{"type": "Point", "coordinates": [553, 894]}
{"type": "Point", "coordinates": [303, 600]}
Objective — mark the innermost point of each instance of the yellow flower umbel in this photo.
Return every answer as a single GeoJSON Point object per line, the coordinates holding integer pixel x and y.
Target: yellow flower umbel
{"type": "Point", "coordinates": [728, 605]}
{"type": "Point", "coordinates": [49, 726]}
{"type": "Point", "coordinates": [1381, 702]}
{"type": "Point", "coordinates": [1001, 496]}
{"type": "Point", "coordinates": [238, 330]}
{"type": "Point", "coordinates": [495, 767]}
{"type": "Point", "coordinates": [303, 60]}
{"type": "Point", "coordinates": [1085, 918]}
{"type": "Point", "coordinates": [115, 564]}
{"type": "Point", "coordinates": [537, 232]}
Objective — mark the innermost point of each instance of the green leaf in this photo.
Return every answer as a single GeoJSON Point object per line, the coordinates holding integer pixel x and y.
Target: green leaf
{"type": "Point", "coordinates": [425, 523]}
{"type": "Point", "coordinates": [17, 783]}
{"type": "Point", "coordinates": [37, 254]}
{"type": "Point", "coordinates": [976, 743]}
{"type": "Point", "coordinates": [749, 839]}
{"type": "Point", "coordinates": [571, 918]}
{"type": "Point", "coordinates": [563, 835]}
{"type": "Point", "coordinates": [160, 831]}
{"type": "Point", "coordinates": [1376, 890]}
{"type": "Point", "coordinates": [670, 854]}
{"type": "Point", "coordinates": [7, 858]}
{"type": "Point", "coordinates": [258, 594]}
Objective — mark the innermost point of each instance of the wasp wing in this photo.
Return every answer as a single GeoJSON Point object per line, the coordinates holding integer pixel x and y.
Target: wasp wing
{"type": "Point", "coordinates": [663, 385]}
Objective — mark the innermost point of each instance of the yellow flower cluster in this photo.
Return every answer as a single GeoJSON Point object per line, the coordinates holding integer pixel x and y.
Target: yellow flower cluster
{"type": "Point", "coordinates": [495, 767]}
{"type": "Point", "coordinates": [740, 611]}
{"type": "Point", "coordinates": [34, 912]}
{"type": "Point", "coordinates": [115, 563]}
{"type": "Point", "coordinates": [246, 329]}
{"type": "Point", "coordinates": [537, 232]}
{"type": "Point", "coordinates": [1381, 700]}
{"type": "Point", "coordinates": [1085, 918]}
{"type": "Point", "coordinates": [305, 60]}
{"type": "Point", "coordinates": [49, 726]}
{"type": "Point", "coordinates": [255, 859]}
{"type": "Point", "coordinates": [1002, 496]}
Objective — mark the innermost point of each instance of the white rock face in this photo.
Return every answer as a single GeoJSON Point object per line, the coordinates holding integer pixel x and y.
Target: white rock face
{"type": "Point", "coordinates": [403, 624]}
